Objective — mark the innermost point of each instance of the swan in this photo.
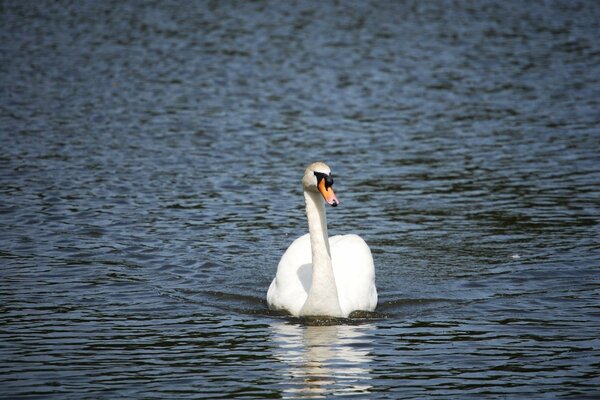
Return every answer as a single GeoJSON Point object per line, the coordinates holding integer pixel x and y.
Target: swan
{"type": "Point", "coordinates": [318, 275]}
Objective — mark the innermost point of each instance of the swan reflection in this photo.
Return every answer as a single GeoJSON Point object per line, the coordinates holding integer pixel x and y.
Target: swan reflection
{"type": "Point", "coordinates": [323, 360]}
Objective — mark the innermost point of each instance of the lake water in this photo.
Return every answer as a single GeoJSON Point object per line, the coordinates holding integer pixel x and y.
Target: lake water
{"type": "Point", "coordinates": [150, 180]}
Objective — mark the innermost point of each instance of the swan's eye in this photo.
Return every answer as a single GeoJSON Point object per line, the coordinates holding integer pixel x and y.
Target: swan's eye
{"type": "Point", "coordinates": [328, 179]}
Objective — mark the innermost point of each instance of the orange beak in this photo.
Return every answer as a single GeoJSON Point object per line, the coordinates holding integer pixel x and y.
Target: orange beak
{"type": "Point", "coordinates": [328, 194]}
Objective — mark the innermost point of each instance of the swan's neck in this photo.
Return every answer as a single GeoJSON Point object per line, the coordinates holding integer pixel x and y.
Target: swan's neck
{"type": "Point", "coordinates": [322, 296]}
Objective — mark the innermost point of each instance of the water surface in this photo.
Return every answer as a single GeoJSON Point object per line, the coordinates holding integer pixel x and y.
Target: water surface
{"type": "Point", "coordinates": [150, 180]}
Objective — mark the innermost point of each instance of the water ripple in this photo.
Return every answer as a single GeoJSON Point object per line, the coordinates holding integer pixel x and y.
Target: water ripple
{"type": "Point", "coordinates": [150, 182]}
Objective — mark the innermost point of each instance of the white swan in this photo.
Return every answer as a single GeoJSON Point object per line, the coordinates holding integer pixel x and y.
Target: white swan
{"type": "Point", "coordinates": [318, 275]}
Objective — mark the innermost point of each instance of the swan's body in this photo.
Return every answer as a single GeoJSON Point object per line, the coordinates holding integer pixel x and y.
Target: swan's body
{"type": "Point", "coordinates": [318, 275]}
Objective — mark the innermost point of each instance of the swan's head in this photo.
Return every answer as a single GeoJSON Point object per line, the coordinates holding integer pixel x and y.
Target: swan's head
{"type": "Point", "coordinates": [317, 178]}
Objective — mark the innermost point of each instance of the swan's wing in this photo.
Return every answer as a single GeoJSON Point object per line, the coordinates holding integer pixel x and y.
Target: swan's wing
{"type": "Point", "coordinates": [290, 286]}
{"type": "Point", "coordinates": [354, 273]}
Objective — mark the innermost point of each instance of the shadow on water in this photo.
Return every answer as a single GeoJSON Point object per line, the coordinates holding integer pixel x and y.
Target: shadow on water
{"type": "Point", "coordinates": [388, 309]}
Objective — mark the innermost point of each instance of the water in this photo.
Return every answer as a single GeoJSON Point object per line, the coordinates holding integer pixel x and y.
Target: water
{"type": "Point", "coordinates": [150, 181]}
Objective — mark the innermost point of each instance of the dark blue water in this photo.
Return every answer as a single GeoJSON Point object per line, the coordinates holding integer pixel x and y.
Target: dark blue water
{"type": "Point", "coordinates": [150, 180]}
